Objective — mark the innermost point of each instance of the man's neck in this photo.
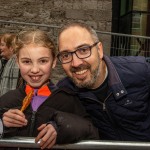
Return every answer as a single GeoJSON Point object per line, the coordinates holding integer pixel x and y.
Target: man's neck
{"type": "Point", "coordinates": [102, 74]}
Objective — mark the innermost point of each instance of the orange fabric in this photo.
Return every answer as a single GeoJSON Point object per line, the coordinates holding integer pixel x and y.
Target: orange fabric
{"type": "Point", "coordinates": [28, 89]}
{"type": "Point", "coordinates": [44, 90]}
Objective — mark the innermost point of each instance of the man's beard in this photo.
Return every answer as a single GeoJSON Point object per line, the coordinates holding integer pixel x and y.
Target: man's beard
{"type": "Point", "coordinates": [93, 76]}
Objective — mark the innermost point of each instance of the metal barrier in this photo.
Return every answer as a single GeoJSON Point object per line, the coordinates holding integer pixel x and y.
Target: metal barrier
{"type": "Point", "coordinates": [120, 45]}
{"type": "Point", "coordinates": [114, 43]}
{"type": "Point", "coordinates": [28, 24]}
{"type": "Point", "coordinates": [127, 45]}
{"type": "Point", "coordinates": [26, 142]}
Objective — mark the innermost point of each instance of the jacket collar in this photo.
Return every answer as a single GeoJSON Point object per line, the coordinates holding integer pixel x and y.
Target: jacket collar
{"type": "Point", "coordinates": [114, 81]}
{"type": "Point", "coordinates": [52, 87]}
{"type": "Point", "coordinates": [44, 90]}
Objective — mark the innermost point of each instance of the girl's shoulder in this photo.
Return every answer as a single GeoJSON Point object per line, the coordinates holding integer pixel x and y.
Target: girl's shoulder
{"type": "Point", "coordinates": [13, 95]}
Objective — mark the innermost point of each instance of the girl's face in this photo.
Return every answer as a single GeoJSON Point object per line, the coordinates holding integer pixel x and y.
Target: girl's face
{"type": "Point", "coordinates": [35, 63]}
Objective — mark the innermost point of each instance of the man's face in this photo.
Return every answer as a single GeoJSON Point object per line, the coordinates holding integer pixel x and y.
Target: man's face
{"type": "Point", "coordinates": [84, 72]}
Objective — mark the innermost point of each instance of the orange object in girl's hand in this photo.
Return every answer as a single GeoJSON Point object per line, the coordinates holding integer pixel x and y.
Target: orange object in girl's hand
{"type": "Point", "coordinates": [27, 100]}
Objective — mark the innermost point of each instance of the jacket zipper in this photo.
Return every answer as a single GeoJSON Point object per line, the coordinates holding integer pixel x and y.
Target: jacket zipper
{"type": "Point", "coordinates": [32, 123]}
{"type": "Point", "coordinates": [105, 109]}
{"type": "Point", "coordinates": [104, 105]}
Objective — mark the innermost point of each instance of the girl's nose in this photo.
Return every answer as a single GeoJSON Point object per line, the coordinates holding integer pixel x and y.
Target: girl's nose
{"type": "Point", "coordinates": [35, 68]}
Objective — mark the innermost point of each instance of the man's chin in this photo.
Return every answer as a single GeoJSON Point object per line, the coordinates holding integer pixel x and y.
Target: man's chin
{"type": "Point", "coordinates": [80, 83]}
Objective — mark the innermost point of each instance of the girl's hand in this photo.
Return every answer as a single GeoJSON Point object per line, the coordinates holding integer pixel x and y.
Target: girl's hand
{"type": "Point", "coordinates": [14, 118]}
{"type": "Point", "coordinates": [47, 136]}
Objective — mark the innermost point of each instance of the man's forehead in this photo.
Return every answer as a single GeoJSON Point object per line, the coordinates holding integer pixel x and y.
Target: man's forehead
{"type": "Point", "coordinates": [75, 28]}
{"type": "Point", "coordinates": [75, 33]}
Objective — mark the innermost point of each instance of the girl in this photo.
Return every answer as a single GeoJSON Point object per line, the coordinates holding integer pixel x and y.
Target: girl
{"type": "Point", "coordinates": [39, 109]}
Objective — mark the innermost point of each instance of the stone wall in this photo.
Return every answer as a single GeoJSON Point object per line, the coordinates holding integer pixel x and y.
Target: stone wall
{"type": "Point", "coordinates": [96, 13]}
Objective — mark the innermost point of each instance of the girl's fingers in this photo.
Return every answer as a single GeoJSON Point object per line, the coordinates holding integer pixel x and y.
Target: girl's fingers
{"type": "Point", "coordinates": [14, 118]}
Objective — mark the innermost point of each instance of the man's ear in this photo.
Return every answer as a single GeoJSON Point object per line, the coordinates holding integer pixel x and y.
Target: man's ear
{"type": "Point", "coordinates": [54, 63]}
{"type": "Point", "coordinates": [100, 50]}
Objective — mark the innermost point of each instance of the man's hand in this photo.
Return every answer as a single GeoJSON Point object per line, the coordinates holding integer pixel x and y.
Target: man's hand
{"type": "Point", "coordinates": [14, 118]}
{"type": "Point", "coordinates": [47, 136]}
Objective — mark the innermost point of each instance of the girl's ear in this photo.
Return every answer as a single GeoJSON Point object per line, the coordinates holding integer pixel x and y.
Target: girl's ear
{"type": "Point", "coordinates": [17, 61]}
{"type": "Point", "coordinates": [11, 49]}
{"type": "Point", "coordinates": [54, 63]}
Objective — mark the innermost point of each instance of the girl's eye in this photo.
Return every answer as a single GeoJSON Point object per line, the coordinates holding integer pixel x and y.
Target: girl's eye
{"type": "Point", "coordinates": [26, 62]}
{"type": "Point", "coordinates": [43, 61]}
{"type": "Point", "coordinates": [3, 45]}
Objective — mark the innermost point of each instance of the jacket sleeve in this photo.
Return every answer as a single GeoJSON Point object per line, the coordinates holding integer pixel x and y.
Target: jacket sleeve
{"type": "Point", "coordinates": [8, 101]}
{"type": "Point", "coordinates": [72, 128]}
{"type": "Point", "coordinates": [6, 132]}
{"type": "Point", "coordinates": [148, 74]}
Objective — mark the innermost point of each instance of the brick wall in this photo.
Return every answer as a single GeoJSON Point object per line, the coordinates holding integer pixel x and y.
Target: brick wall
{"type": "Point", "coordinates": [96, 13]}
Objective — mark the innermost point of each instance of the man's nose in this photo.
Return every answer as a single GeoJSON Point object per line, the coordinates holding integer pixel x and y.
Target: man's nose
{"type": "Point", "coordinates": [76, 61]}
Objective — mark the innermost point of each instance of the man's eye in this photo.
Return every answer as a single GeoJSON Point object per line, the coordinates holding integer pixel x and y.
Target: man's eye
{"type": "Point", "coordinates": [83, 50]}
{"type": "Point", "coordinates": [65, 56]}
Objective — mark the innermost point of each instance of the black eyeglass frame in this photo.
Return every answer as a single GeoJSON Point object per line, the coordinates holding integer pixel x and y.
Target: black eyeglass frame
{"type": "Point", "coordinates": [90, 48]}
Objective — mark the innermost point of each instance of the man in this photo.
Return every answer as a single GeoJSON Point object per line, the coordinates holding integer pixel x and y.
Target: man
{"type": "Point", "coordinates": [115, 91]}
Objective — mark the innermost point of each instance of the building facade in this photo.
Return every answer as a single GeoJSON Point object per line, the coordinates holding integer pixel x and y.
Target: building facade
{"type": "Point", "coordinates": [132, 17]}
{"type": "Point", "coordinates": [48, 15]}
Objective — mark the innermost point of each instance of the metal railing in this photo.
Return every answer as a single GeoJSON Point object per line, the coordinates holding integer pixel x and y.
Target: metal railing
{"type": "Point", "coordinates": [116, 44]}
{"type": "Point", "coordinates": [26, 142]}
{"type": "Point", "coordinates": [119, 45]}
{"type": "Point", "coordinates": [28, 24]}
{"type": "Point", "coordinates": [127, 45]}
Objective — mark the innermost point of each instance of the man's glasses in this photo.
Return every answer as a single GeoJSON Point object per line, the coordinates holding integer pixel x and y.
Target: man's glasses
{"type": "Point", "coordinates": [81, 52]}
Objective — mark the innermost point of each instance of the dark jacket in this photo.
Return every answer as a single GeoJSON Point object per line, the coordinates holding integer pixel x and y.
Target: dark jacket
{"type": "Point", "coordinates": [61, 107]}
{"type": "Point", "coordinates": [125, 113]}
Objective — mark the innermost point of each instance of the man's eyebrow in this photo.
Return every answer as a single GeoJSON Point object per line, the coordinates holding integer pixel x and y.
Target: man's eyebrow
{"type": "Point", "coordinates": [67, 50]}
{"type": "Point", "coordinates": [85, 44]}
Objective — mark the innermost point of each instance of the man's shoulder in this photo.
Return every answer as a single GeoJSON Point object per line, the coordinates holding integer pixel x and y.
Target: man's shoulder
{"type": "Point", "coordinates": [136, 66]}
{"type": "Point", "coordinates": [63, 82]}
{"type": "Point", "coordinates": [128, 59]}
{"type": "Point", "coordinates": [67, 83]}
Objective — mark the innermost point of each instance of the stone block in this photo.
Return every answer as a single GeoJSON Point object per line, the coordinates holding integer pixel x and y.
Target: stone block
{"type": "Point", "coordinates": [75, 14]}
{"type": "Point", "coordinates": [90, 4]}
